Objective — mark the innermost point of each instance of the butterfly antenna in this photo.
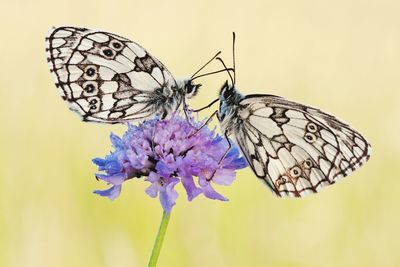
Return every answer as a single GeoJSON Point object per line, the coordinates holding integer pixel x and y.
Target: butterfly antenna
{"type": "Point", "coordinates": [208, 62]}
{"type": "Point", "coordinates": [226, 69]}
{"type": "Point", "coordinates": [210, 73]}
{"type": "Point", "coordinates": [233, 51]}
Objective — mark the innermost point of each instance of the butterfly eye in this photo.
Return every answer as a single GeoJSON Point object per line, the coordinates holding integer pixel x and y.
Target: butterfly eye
{"type": "Point", "coordinates": [189, 89]}
{"type": "Point", "coordinates": [226, 93]}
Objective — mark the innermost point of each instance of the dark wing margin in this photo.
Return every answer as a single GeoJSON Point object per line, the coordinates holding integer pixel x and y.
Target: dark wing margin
{"type": "Point", "coordinates": [295, 149]}
{"type": "Point", "coordinates": [105, 77]}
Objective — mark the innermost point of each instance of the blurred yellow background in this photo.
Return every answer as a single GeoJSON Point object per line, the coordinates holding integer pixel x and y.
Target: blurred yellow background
{"type": "Point", "coordinates": [342, 56]}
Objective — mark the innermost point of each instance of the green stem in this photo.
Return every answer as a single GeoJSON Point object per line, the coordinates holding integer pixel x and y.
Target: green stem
{"type": "Point", "coordinates": [159, 239]}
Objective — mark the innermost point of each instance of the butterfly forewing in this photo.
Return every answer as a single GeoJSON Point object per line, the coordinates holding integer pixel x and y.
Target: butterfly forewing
{"type": "Point", "coordinates": [295, 149]}
{"type": "Point", "coordinates": [107, 78]}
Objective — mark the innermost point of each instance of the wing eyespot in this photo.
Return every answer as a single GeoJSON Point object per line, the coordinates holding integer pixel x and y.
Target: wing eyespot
{"type": "Point", "coordinates": [93, 104]}
{"type": "Point", "coordinates": [295, 172]}
{"type": "Point", "coordinates": [90, 88]}
{"type": "Point", "coordinates": [310, 137]}
{"type": "Point", "coordinates": [312, 127]}
{"type": "Point", "coordinates": [305, 149]}
{"type": "Point", "coordinates": [112, 69]}
{"type": "Point", "coordinates": [116, 45]}
{"type": "Point", "coordinates": [107, 52]}
{"type": "Point", "coordinates": [307, 164]}
{"type": "Point", "coordinates": [90, 72]}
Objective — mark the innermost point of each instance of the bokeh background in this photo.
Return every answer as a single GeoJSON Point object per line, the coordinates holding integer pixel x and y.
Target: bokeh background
{"type": "Point", "coordinates": [342, 56]}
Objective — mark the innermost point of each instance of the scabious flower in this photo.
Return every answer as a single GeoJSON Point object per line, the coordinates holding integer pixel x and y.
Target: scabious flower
{"type": "Point", "coordinates": [169, 152]}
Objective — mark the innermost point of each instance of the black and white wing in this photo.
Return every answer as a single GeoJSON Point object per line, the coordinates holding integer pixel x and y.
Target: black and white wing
{"type": "Point", "coordinates": [296, 149]}
{"type": "Point", "coordinates": [108, 78]}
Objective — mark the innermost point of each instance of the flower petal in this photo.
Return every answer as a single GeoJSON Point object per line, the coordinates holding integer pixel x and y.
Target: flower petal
{"type": "Point", "coordinates": [191, 189]}
{"type": "Point", "coordinates": [165, 168]}
{"type": "Point", "coordinates": [209, 192]}
{"type": "Point", "coordinates": [115, 179]}
{"type": "Point", "coordinates": [152, 190]}
{"type": "Point", "coordinates": [116, 141]}
{"type": "Point", "coordinates": [111, 193]}
{"type": "Point", "coordinates": [224, 177]}
{"type": "Point", "coordinates": [168, 152]}
{"type": "Point", "coordinates": [168, 196]}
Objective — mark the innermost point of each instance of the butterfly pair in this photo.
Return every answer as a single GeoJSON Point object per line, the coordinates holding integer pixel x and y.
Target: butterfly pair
{"type": "Point", "coordinates": [294, 149]}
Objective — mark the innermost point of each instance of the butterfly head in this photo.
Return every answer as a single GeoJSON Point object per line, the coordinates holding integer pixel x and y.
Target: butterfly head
{"type": "Point", "coordinates": [190, 88]}
{"type": "Point", "coordinates": [229, 100]}
{"type": "Point", "coordinates": [227, 92]}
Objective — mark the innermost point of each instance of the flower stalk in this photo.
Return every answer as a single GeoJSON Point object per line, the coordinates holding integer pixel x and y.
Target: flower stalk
{"type": "Point", "coordinates": [167, 153]}
{"type": "Point", "coordinates": [159, 239]}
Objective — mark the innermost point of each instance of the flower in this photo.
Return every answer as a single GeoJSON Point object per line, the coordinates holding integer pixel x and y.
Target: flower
{"type": "Point", "coordinates": [168, 152]}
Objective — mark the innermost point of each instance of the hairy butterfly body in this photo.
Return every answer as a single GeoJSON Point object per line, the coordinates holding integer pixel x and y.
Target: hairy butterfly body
{"type": "Point", "coordinates": [294, 149]}
{"type": "Point", "coordinates": [107, 78]}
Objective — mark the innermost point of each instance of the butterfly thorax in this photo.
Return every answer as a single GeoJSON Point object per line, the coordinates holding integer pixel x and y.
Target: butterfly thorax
{"type": "Point", "coordinates": [229, 108]}
{"type": "Point", "coordinates": [167, 101]}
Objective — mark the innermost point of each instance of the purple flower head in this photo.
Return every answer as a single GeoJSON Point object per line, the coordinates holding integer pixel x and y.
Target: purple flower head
{"type": "Point", "coordinates": [168, 152]}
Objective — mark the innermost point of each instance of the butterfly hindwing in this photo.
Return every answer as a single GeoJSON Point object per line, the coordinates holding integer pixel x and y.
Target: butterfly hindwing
{"type": "Point", "coordinates": [296, 149]}
{"type": "Point", "coordinates": [105, 77]}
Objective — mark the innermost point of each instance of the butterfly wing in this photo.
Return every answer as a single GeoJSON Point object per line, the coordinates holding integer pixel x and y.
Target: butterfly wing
{"type": "Point", "coordinates": [296, 149]}
{"type": "Point", "coordinates": [107, 78]}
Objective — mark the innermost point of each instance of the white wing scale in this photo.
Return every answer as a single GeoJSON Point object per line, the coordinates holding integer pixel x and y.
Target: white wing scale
{"type": "Point", "coordinates": [295, 149]}
{"type": "Point", "coordinates": [108, 78]}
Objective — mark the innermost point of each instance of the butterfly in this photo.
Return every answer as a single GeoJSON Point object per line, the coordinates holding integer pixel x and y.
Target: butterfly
{"type": "Point", "coordinates": [107, 78]}
{"type": "Point", "coordinates": [293, 148]}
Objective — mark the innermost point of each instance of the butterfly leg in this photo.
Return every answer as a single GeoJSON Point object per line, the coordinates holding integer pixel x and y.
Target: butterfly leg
{"type": "Point", "coordinates": [204, 124]}
{"type": "Point", "coordinates": [222, 158]}
{"type": "Point", "coordinates": [198, 110]}
{"type": "Point", "coordinates": [185, 110]}
{"type": "Point", "coordinates": [152, 138]}
{"type": "Point", "coordinates": [229, 147]}
{"type": "Point", "coordinates": [208, 106]}
{"type": "Point", "coordinates": [153, 148]}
